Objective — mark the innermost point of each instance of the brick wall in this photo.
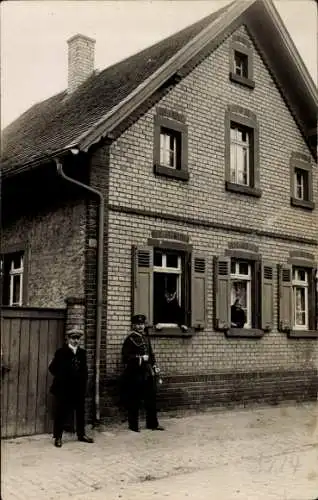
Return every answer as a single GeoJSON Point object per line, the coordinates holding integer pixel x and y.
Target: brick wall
{"type": "Point", "coordinates": [55, 258]}
{"type": "Point", "coordinates": [203, 97]}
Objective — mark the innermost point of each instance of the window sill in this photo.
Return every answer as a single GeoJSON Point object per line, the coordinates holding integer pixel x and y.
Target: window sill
{"type": "Point", "coordinates": [170, 332]}
{"type": "Point", "coordinates": [244, 332]}
{"type": "Point", "coordinates": [303, 334]}
{"type": "Point", "coordinates": [182, 175]}
{"type": "Point", "coordinates": [248, 190]}
{"type": "Point", "coordinates": [246, 82]}
{"type": "Point", "coordinates": [308, 205]}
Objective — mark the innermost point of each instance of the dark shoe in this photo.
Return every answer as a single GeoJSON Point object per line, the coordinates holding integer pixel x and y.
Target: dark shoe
{"type": "Point", "coordinates": [58, 443]}
{"type": "Point", "coordinates": [85, 439]}
{"type": "Point", "coordinates": [134, 428]}
{"type": "Point", "coordinates": [158, 428]}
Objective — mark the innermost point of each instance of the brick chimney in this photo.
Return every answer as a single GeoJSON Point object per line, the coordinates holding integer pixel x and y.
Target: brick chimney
{"type": "Point", "coordinates": [81, 55]}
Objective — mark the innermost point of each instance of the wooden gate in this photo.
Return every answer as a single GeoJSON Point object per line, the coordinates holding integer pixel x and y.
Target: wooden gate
{"type": "Point", "coordinates": [29, 338]}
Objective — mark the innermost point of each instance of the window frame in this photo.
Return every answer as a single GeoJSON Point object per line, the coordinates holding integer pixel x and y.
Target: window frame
{"type": "Point", "coordinates": [304, 285]}
{"type": "Point", "coordinates": [241, 47]}
{"type": "Point", "coordinates": [298, 164]}
{"type": "Point", "coordinates": [311, 268]}
{"type": "Point", "coordinates": [21, 271]}
{"type": "Point", "coordinates": [247, 121]}
{"type": "Point", "coordinates": [256, 262]}
{"type": "Point", "coordinates": [177, 127]}
{"type": "Point", "coordinates": [248, 278]}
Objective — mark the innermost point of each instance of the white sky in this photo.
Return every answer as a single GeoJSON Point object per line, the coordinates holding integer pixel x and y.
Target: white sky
{"type": "Point", "coordinates": [34, 34]}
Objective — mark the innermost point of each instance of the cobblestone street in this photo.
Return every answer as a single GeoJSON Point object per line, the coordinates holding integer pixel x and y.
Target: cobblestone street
{"type": "Point", "coordinates": [257, 453]}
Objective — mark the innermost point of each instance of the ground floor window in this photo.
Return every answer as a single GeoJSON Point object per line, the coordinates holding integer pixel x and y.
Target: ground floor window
{"type": "Point", "coordinates": [241, 297]}
{"type": "Point", "coordinates": [168, 280]}
{"type": "Point", "coordinates": [169, 287]}
{"type": "Point", "coordinates": [300, 298]}
{"type": "Point", "coordinates": [12, 268]}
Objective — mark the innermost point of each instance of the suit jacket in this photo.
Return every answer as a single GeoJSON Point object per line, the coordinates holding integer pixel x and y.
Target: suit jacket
{"type": "Point", "coordinates": [70, 373]}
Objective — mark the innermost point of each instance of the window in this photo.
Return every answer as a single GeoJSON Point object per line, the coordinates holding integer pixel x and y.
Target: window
{"type": "Point", "coordinates": [241, 63]}
{"type": "Point", "coordinates": [243, 295]}
{"type": "Point", "coordinates": [300, 298]}
{"type": "Point", "coordinates": [12, 268]}
{"type": "Point", "coordinates": [241, 152]}
{"type": "Point", "coordinates": [301, 183]}
{"type": "Point", "coordinates": [170, 147]}
{"type": "Point", "coordinates": [168, 299]}
{"type": "Point", "coordinates": [169, 288]}
{"type": "Point", "coordinates": [241, 141]}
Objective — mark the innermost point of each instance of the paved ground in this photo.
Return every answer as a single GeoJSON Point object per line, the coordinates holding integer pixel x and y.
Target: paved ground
{"type": "Point", "coordinates": [254, 454]}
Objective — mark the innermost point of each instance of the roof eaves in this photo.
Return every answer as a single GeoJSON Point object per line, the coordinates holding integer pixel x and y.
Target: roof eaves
{"type": "Point", "coordinates": [292, 49]}
{"type": "Point", "coordinates": [119, 112]}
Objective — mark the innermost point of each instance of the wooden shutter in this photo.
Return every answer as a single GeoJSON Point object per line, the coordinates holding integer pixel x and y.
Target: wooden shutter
{"type": "Point", "coordinates": [267, 297]}
{"type": "Point", "coordinates": [198, 291]}
{"type": "Point", "coordinates": [312, 300]}
{"type": "Point", "coordinates": [142, 282]}
{"type": "Point", "coordinates": [222, 293]}
{"type": "Point", "coordinates": [285, 298]}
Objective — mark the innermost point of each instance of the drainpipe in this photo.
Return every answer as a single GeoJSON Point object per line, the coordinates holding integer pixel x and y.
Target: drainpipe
{"type": "Point", "coordinates": [99, 272]}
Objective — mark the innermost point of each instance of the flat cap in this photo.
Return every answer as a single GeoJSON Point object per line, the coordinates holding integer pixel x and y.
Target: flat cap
{"type": "Point", "coordinates": [74, 331]}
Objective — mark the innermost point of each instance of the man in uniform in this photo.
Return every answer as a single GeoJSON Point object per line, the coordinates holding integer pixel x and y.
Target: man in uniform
{"type": "Point", "coordinates": [69, 368]}
{"type": "Point", "coordinates": [140, 375]}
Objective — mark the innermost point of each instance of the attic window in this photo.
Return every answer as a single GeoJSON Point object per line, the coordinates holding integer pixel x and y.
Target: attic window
{"type": "Point", "coordinates": [241, 64]}
{"type": "Point", "coordinates": [301, 183]}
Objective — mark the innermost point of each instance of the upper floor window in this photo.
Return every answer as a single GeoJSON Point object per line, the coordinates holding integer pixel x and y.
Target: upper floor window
{"type": "Point", "coordinates": [241, 151]}
{"type": "Point", "coordinates": [241, 159]}
{"type": "Point", "coordinates": [241, 63]}
{"type": "Point", "coordinates": [170, 147]}
{"type": "Point", "coordinates": [301, 183]}
{"type": "Point", "coordinates": [12, 269]}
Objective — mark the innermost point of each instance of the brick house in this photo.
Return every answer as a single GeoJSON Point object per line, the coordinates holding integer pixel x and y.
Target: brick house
{"type": "Point", "coordinates": [190, 165]}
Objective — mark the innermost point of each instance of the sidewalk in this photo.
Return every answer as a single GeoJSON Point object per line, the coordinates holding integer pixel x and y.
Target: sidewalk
{"type": "Point", "coordinates": [251, 454]}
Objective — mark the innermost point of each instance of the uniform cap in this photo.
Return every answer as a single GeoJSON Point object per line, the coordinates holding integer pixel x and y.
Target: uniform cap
{"type": "Point", "coordinates": [138, 318]}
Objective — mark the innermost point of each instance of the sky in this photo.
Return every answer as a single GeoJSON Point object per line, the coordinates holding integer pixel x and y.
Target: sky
{"type": "Point", "coordinates": [34, 34]}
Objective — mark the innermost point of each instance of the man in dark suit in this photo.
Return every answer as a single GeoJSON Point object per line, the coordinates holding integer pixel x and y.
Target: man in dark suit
{"type": "Point", "coordinates": [140, 375]}
{"type": "Point", "coordinates": [238, 316]}
{"type": "Point", "coordinates": [69, 368]}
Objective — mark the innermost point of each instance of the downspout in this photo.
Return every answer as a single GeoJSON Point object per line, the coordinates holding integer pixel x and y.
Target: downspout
{"type": "Point", "coordinates": [99, 273]}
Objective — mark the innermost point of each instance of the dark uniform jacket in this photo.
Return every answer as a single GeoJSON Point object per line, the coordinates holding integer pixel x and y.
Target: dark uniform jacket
{"type": "Point", "coordinates": [70, 373]}
{"type": "Point", "coordinates": [135, 345]}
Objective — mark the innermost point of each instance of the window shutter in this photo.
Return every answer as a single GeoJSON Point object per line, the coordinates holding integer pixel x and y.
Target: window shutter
{"type": "Point", "coordinates": [285, 298]}
{"type": "Point", "coordinates": [142, 282]}
{"type": "Point", "coordinates": [267, 297]}
{"type": "Point", "coordinates": [198, 291]}
{"type": "Point", "coordinates": [222, 293]}
{"type": "Point", "coordinates": [313, 300]}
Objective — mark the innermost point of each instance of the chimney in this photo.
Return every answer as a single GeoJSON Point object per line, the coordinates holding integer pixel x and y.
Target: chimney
{"type": "Point", "coordinates": [81, 55]}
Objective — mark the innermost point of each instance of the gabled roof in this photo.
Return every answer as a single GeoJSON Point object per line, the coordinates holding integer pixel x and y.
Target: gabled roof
{"type": "Point", "coordinates": [106, 98]}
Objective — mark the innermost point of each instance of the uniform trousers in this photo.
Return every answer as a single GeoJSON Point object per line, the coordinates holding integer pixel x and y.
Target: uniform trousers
{"type": "Point", "coordinates": [142, 389]}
